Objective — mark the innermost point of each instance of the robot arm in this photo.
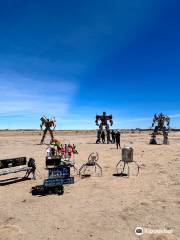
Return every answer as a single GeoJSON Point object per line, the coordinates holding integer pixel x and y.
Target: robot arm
{"type": "Point", "coordinates": [43, 120]}
{"type": "Point", "coordinates": [111, 122]}
{"type": "Point", "coordinates": [168, 122]}
{"type": "Point", "coordinates": [54, 125]}
{"type": "Point", "coordinates": [154, 120]}
{"type": "Point", "coordinates": [97, 119]}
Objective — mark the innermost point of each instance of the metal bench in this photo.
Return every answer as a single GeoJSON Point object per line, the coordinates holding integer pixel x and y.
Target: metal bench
{"type": "Point", "coordinates": [14, 165]}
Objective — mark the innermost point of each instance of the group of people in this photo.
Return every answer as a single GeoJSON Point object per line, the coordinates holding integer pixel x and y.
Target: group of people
{"type": "Point", "coordinates": [115, 137]}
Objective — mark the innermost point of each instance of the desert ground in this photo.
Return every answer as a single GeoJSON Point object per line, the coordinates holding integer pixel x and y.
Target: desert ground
{"type": "Point", "coordinates": [98, 208]}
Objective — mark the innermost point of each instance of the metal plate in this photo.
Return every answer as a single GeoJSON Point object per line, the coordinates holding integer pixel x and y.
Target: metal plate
{"type": "Point", "coordinates": [58, 181]}
{"type": "Point", "coordinates": [12, 162]}
{"type": "Point", "coordinates": [53, 161]}
{"type": "Point", "coordinates": [59, 172]}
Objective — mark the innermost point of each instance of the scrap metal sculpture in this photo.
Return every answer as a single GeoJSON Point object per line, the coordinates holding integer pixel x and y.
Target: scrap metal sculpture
{"type": "Point", "coordinates": [57, 177]}
{"type": "Point", "coordinates": [92, 162]}
{"type": "Point", "coordinates": [103, 126]}
{"type": "Point", "coordinates": [59, 160]}
{"type": "Point", "coordinates": [49, 125]}
{"type": "Point", "coordinates": [20, 164]}
{"type": "Point", "coordinates": [127, 159]}
{"type": "Point", "coordinates": [161, 123]}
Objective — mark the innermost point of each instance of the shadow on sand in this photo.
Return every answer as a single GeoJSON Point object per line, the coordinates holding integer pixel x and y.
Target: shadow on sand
{"type": "Point", "coordinates": [120, 174]}
{"type": "Point", "coordinates": [12, 181]}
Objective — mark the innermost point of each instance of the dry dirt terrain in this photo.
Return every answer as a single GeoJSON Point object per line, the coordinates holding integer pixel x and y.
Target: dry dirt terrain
{"type": "Point", "coordinates": [98, 208]}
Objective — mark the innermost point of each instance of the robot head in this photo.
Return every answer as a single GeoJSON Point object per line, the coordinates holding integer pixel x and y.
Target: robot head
{"type": "Point", "coordinates": [161, 115]}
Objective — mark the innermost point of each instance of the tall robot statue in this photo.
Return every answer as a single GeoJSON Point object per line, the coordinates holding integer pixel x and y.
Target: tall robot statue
{"type": "Point", "coordinates": [103, 126]}
{"type": "Point", "coordinates": [49, 125]}
{"type": "Point", "coordinates": [161, 123]}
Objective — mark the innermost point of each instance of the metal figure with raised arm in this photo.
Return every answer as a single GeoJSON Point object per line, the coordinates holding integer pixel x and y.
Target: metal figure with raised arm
{"type": "Point", "coordinates": [49, 125]}
{"type": "Point", "coordinates": [161, 123]}
{"type": "Point", "coordinates": [103, 126]}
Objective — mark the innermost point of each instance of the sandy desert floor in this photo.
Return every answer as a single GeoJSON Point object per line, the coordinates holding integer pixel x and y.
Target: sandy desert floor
{"type": "Point", "coordinates": [100, 208]}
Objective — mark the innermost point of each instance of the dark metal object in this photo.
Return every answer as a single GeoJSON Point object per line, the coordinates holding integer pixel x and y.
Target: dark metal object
{"type": "Point", "coordinates": [12, 162]}
{"type": "Point", "coordinates": [57, 161]}
{"type": "Point", "coordinates": [60, 172]}
{"type": "Point", "coordinates": [58, 181]}
{"type": "Point", "coordinates": [57, 177]}
{"type": "Point", "coordinates": [92, 162]}
{"type": "Point", "coordinates": [42, 190]}
{"type": "Point", "coordinates": [53, 161]}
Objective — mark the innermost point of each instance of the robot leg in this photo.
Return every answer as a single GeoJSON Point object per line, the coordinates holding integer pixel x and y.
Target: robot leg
{"type": "Point", "coordinates": [98, 136]}
{"type": "Point", "coordinates": [51, 133]}
{"type": "Point", "coordinates": [165, 135]}
{"type": "Point", "coordinates": [44, 134]}
{"type": "Point", "coordinates": [108, 137]}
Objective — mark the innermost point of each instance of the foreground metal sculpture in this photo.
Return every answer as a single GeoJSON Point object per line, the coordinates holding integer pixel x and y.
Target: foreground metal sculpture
{"type": "Point", "coordinates": [92, 162]}
{"type": "Point", "coordinates": [49, 125]}
{"type": "Point", "coordinates": [59, 174]}
{"type": "Point", "coordinates": [103, 127]}
{"type": "Point", "coordinates": [124, 163]}
{"type": "Point", "coordinates": [57, 177]}
{"type": "Point", "coordinates": [161, 123]}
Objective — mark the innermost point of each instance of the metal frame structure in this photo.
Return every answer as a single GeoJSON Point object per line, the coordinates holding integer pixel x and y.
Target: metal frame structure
{"type": "Point", "coordinates": [92, 162]}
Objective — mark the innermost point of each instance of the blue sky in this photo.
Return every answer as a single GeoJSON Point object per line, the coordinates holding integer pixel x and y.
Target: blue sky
{"type": "Point", "coordinates": [73, 59]}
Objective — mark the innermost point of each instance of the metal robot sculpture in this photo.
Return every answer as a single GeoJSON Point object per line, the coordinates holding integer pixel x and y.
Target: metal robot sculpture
{"type": "Point", "coordinates": [161, 123]}
{"type": "Point", "coordinates": [103, 126]}
{"type": "Point", "coordinates": [49, 125]}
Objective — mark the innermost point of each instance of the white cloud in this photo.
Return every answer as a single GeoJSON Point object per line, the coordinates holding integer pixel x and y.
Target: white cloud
{"type": "Point", "coordinates": [25, 96]}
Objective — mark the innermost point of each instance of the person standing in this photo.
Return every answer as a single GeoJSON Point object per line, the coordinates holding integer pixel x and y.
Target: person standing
{"type": "Point", "coordinates": [118, 139]}
{"type": "Point", "coordinates": [113, 136]}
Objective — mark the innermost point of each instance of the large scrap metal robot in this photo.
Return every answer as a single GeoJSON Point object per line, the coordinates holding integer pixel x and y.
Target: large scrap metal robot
{"type": "Point", "coordinates": [103, 126]}
{"type": "Point", "coordinates": [49, 125]}
{"type": "Point", "coordinates": [161, 123]}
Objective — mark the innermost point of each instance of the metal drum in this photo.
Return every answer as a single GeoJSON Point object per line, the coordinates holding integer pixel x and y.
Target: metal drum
{"type": "Point", "coordinates": [127, 154]}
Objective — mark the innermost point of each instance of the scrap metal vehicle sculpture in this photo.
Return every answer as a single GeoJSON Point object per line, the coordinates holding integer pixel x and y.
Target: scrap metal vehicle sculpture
{"type": "Point", "coordinates": [103, 126]}
{"type": "Point", "coordinates": [92, 162]}
{"type": "Point", "coordinates": [161, 123]}
{"type": "Point", "coordinates": [49, 125]}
